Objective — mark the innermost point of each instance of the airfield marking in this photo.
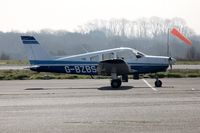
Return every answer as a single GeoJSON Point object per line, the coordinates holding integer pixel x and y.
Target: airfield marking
{"type": "Point", "coordinates": [149, 85]}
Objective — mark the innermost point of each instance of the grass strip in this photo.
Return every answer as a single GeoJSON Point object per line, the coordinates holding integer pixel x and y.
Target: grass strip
{"type": "Point", "coordinates": [30, 75]}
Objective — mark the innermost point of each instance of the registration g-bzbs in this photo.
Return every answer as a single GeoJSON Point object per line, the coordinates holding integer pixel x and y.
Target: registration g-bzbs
{"type": "Point", "coordinates": [80, 69]}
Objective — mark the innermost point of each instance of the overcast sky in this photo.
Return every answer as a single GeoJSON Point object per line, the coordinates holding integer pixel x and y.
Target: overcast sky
{"type": "Point", "coordinates": [34, 15]}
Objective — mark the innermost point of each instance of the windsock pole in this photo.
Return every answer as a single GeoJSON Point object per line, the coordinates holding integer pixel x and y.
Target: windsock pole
{"type": "Point", "coordinates": [168, 39]}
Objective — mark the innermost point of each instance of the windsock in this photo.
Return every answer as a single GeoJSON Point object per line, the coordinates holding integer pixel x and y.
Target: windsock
{"type": "Point", "coordinates": [176, 33]}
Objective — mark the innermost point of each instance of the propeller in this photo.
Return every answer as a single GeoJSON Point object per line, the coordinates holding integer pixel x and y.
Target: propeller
{"type": "Point", "coordinates": [171, 61]}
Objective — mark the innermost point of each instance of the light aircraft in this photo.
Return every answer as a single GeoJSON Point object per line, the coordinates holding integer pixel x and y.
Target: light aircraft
{"type": "Point", "coordinates": [117, 62]}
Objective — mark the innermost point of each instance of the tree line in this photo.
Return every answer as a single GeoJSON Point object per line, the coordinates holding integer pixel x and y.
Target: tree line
{"type": "Point", "coordinates": [146, 35]}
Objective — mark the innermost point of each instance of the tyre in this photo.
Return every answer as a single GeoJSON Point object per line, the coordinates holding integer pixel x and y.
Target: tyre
{"type": "Point", "coordinates": [116, 83]}
{"type": "Point", "coordinates": [158, 83]}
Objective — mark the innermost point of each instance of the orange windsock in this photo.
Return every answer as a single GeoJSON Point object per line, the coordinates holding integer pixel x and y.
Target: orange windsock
{"type": "Point", "coordinates": [176, 33]}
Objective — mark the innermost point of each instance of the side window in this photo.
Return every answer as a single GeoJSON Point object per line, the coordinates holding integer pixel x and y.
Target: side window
{"type": "Point", "coordinates": [83, 59]}
{"type": "Point", "coordinates": [94, 58]}
{"type": "Point", "coordinates": [107, 56]}
{"type": "Point", "coordinates": [125, 55]}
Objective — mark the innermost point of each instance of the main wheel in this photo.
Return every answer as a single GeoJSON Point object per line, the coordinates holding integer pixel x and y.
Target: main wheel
{"type": "Point", "coordinates": [158, 83]}
{"type": "Point", "coordinates": [116, 83]}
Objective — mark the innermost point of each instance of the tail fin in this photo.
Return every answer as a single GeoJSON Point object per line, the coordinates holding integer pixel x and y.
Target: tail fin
{"type": "Point", "coordinates": [33, 49]}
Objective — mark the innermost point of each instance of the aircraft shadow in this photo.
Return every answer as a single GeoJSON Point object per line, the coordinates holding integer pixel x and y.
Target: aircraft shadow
{"type": "Point", "coordinates": [35, 89]}
{"type": "Point", "coordinates": [101, 88]}
{"type": "Point", "coordinates": [167, 87]}
{"type": "Point", "coordinates": [110, 88]}
{"type": "Point", "coordinates": [104, 88]}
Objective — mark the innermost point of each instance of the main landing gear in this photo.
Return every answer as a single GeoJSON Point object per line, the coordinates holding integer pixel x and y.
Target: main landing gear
{"type": "Point", "coordinates": [115, 82]}
{"type": "Point", "coordinates": [158, 83]}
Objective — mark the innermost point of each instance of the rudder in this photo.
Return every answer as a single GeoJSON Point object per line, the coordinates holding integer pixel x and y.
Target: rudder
{"type": "Point", "coordinates": [33, 49]}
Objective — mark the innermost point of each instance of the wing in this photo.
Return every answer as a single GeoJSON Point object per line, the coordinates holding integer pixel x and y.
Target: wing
{"type": "Point", "coordinates": [117, 66]}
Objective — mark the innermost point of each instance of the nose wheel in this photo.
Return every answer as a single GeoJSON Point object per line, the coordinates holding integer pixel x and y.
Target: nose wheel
{"type": "Point", "coordinates": [158, 83]}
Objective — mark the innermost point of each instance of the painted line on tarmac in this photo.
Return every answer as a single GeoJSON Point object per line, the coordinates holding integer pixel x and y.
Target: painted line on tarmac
{"type": "Point", "coordinates": [149, 85]}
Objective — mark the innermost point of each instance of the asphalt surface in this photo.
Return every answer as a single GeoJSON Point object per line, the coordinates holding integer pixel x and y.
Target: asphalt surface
{"type": "Point", "coordinates": [14, 67]}
{"type": "Point", "coordinates": [91, 106]}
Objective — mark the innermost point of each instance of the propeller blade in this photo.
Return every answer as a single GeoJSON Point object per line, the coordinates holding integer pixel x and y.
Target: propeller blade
{"type": "Point", "coordinates": [170, 62]}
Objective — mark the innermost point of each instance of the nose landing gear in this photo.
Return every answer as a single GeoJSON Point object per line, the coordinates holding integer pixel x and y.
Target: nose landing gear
{"type": "Point", "coordinates": [158, 83]}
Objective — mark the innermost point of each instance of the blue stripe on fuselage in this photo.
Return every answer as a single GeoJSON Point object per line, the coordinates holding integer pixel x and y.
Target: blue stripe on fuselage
{"type": "Point", "coordinates": [141, 69]}
{"type": "Point", "coordinates": [69, 69]}
{"type": "Point", "coordinates": [63, 66]}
